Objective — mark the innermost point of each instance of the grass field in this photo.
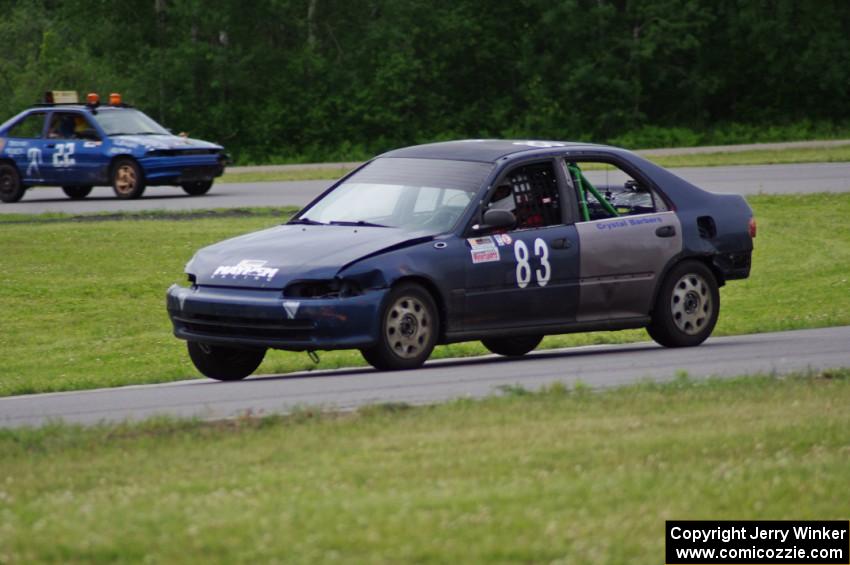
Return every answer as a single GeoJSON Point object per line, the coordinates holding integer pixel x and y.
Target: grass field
{"type": "Point", "coordinates": [755, 157]}
{"type": "Point", "coordinates": [560, 477]}
{"type": "Point", "coordinates": [83, 302]}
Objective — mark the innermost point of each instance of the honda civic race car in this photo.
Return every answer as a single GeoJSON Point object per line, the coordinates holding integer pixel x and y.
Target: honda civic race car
{"type": "Point", "coordinates": [499, 241]}
{"type": "Point", "coordinates": [78, 146]}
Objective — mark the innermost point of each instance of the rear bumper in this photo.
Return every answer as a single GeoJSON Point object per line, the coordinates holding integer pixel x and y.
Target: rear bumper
{"type": "Point", "coordinates": [733, 265]}
{"type": "Point", "coordinates": [263, 318]}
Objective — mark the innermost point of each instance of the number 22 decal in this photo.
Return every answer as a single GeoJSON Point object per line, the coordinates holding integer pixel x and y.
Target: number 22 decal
{"type": "Point", "coordinates": [523, 267]}
{"type": "Point", "coordinates": [64, 155]}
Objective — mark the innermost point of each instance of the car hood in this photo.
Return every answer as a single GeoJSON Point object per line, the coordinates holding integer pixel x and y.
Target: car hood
{"type": "Point", "coordinates": [274, 257]}
{"type": "Point", "coordinates": [162, 142]}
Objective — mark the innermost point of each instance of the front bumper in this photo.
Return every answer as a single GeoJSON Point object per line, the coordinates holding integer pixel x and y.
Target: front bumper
{"type": "Point", "coordinates": [181, 169]}
{"type": "Point", "coordinates": [264, 318]}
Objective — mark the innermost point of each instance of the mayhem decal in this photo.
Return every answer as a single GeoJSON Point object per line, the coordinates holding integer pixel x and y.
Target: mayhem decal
{"type": "Point", "coordinates": [247, 268]}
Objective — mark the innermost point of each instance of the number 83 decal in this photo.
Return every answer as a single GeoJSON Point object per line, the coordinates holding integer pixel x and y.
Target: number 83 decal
{"type": "Point", "coordinates": [523, 267]}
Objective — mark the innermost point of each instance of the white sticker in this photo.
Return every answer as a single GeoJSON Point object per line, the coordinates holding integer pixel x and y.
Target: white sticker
{"type": "Point", "coordinates": [480, 242]}
{"type": "Point", "coordinates": [483, 249]}
{"type": "Point", "coordinates": [542, 144]}
{"type": "Point", "coordinates": [485, 256]}
{"type": "Point", "coordinates": [92, 144]}
{"type": "Point", "coordinates": [34, 156]}
{"type": "Point", "coordinates": [13, 143]}
{"type": "Point", "coordinates": [502, 239]}
{"type": "Point", "coordinates": [245, 269]}
{"type": "Point", "coordinates": [291, 307]}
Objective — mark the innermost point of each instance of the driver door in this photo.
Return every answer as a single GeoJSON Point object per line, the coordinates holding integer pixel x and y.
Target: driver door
{"type": "Point", "coordinates": [527, 276]}
{"type": "Point", "coordinates": [69, 159]}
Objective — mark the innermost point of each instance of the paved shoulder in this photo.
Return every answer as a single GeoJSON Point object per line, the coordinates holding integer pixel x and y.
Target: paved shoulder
{"type": "Point", "coordinates": [597, 366]}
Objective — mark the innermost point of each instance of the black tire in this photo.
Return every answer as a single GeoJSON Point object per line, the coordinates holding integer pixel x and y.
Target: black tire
{"type": "Point", "coordinates": [224, 363]}
{"type": "Point", "coordinates": [76, 192]}
{"type": "Point", "coordinates": [197, 188]}
{"type": "Point", "coordinates": [687, 307]}
{"type": "Point", "coordinates": [11, 189]}
{"type": "Point", "coordinates": [409, 327]}
{"type": "Point", "coordinates": [128, 181]}
{"type": "Point", "coordinates": [516, 346]}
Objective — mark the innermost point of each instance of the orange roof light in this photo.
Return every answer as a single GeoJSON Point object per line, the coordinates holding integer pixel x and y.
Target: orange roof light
{"type": "Point", "coordinates": [93, 98]}
{"type": "Point", "coordinates": [114, 99]}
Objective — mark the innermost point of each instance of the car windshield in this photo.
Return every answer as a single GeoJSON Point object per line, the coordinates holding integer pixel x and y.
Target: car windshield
{"type": "Point", "coordinates": [417, 195]}
{"type": "Point", "coordinates": [128, 122]}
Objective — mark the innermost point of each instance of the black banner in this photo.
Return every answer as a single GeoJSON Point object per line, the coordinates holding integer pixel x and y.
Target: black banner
{"type": "Point", "coordinates": [694, 542]}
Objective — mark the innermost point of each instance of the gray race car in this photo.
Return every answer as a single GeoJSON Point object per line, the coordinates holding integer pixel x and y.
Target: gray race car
{"type": "Point", "coordinates": [499, 241]}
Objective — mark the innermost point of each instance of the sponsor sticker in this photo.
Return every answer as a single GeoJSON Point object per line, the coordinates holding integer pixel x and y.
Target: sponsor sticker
{"type": "Point", "coordinates": [247, 268]}
{"type": "Point", "coordinates": [502, 239]}
{"type": "Point", "coordinates": [485, 256]}
{"type": "Point", "coordinates": [483, 249]}
{"type": "Point", "coordinates": [92, 144]}
{"type": "Point", "coordinates": [480, 242]}
{"type": "Point", "coordinates": [14, 143]}
{"type": "Point", "coordinates": [627, 222]}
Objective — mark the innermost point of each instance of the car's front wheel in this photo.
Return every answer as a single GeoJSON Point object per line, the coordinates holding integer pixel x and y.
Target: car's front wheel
{"type": "Point", "coordinates": [76, 192]}
{"type": "Point", "coordinates": [128, 181]}
{"type": "Point", "coordinates": [409, 326]}
{"type": "Point", "coordinates": [687, 306]}
{"type": "Point", "coordinates": [224, 363]}
{"type": "Point", "coordinates": [512, 346]}
{"type": "Point", "coordinates": [11, 189]}
{"type": "Point", "coordinates": [197, 188]}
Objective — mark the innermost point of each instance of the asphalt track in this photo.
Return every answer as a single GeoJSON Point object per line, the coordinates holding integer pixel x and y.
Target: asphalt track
{"type": "Point", "coordinates": [345, 389]}
{"type": "Point", "coordinates": [773, 179]}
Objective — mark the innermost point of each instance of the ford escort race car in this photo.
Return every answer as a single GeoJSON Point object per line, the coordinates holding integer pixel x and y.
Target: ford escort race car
{"type": "Point", "coordinates": [499, 241]}
{"type": "Point", "coordinates": [78, 146]}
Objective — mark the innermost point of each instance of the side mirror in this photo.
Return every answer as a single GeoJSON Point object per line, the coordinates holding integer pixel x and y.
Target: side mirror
{"type": "Point", "coordinates": [498, 219]}
{"type": "Point", "coordinates": [88, 134]}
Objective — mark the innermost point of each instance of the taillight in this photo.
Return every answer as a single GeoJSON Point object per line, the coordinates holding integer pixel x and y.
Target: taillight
{"type": "Point", "coordinates": [751, 227]}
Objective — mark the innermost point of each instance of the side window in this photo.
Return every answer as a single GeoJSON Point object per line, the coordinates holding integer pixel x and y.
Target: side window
{"type": "Point", "coordinates": [67, 125]}
{"type": "Point", "coordinates": [29, 127]}
{"type": "Point", "coordinates": [606, 191]}
{"type": "Point", "coordinates": [531, 193]}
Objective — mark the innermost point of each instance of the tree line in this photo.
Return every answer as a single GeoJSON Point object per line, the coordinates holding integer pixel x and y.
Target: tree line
{"type": "Point", "coordinates": [326, 79]}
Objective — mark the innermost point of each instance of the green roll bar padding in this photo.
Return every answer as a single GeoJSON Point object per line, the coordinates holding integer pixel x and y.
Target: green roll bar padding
{"type": "Point", "coordinates": [585, 185]}
{"type": "Point", "coordinates": [578, 177]}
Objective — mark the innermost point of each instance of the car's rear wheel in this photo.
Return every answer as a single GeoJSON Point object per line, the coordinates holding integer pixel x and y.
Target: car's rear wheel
{"type": "Point", "coordinates": [409, 326]}
{"type": "Point", "coordinates": [11, 189]}
{"type": "Point", "coordinates": [197, 188]}
{"type": "Point", "coordinates": [224, 363]}
{"type": "Point", "coordinates": [687, 307]}
{"type": "Point", "coordinates": [128, 181]}
{"type": "Point", "coordinates": [76, 192]}
{"type": "Point", "coordinates": [512, 346]}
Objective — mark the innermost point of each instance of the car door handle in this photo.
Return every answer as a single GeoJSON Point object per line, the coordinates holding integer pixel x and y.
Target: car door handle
{"type": "Point", "coordinates": [561, 243]}
{"type": "Point", "coordinates": [665, 231]}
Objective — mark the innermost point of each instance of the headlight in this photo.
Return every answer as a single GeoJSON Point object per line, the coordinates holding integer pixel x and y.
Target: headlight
{"type": "Point", "coordinates": [332, 288]}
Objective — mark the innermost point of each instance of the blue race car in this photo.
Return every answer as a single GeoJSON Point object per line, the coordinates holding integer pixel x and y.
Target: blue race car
{"type": "Point", "coordinates": [499, 241]}
{"type": "Point", "coordinates": [78, 146]}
